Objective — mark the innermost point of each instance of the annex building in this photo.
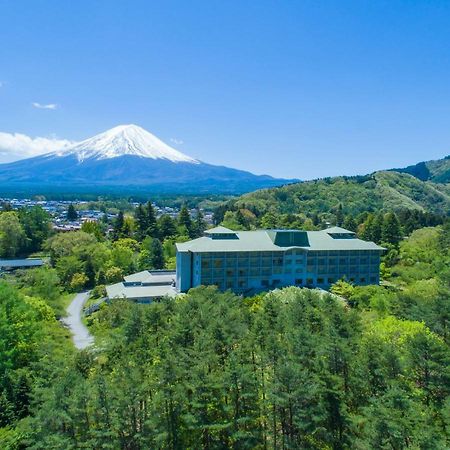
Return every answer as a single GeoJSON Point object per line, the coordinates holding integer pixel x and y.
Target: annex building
{"type": "Point", "coordinates": [144, 287]}
{"type": "Point", "coordinates": [248, 262]}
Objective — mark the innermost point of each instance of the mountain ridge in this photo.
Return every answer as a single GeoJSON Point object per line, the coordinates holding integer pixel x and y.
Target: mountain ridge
{"type": "Point", "coordinates": [382, 190]}
{"type": "Point", "coordinates": [128, 156]}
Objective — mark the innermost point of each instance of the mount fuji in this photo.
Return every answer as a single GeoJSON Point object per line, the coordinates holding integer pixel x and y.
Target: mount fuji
{"type": "Point", "coordinates": [126, 158]}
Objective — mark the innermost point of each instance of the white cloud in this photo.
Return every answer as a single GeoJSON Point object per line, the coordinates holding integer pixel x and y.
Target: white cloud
{"type": "Point", "coordinates": [19, 146]}
{"type": "Point", "coordinates": [176, 141]}
{"type": "Point", "coordinates": [45, 106]}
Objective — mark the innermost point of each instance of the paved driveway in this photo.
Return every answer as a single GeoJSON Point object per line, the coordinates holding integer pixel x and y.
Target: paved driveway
{"type": "Point", "coordinates": [81, 336]}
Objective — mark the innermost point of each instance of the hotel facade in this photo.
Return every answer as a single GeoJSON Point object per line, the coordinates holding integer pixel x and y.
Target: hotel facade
{"type": "Point", "coordinates": [248, 262]}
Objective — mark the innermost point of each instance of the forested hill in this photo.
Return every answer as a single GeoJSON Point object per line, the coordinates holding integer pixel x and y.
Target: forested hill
{"type": "Point", "coordinates": [384, 190]}
{"type": "Point", "coordinates": [437, 171]}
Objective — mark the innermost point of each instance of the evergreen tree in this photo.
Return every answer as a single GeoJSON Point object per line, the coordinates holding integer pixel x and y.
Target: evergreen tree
{"type": "Point", "coordinates": [118, 226]}
{"type": "Point", "coordinates": [390, 231]}
{"type": "Point", "coordinates": [350, 223]}
{"type": "Point", "coordinates": [185, 221]}
{"type": "Point", "coordinates": [199, 224]}
{"type": "Point", "coordinates": [339, 215]}
{"type": "Point", "coordinates": [166, 227]}
{"type": "Point", "coordinates": [141, 218]}
{"type": "Point", "coordinates": [72, 214]}
{"type": "Point", "coordinates": [152, 229]}
{"type": "Point", "coordinates": [157, 254]}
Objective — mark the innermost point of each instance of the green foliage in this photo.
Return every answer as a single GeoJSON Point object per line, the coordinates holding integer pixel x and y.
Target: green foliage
{"type": "Point", "coordinates": [157, 255]}
{"type": "Point", "coordinates": [72, 214]}
{"type": "Point", "coordinates": [12, 234]}
{"type": "Point", "coordinates": [342, 288]}
{"type": "Point", "coordinates": [293, 368]}
{"type": "Point", "coordinates": [36, 225]}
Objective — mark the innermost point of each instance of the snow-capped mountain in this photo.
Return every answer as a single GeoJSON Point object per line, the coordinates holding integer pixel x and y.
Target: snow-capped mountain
{"type": "Point", "coordinates": [125, 159]}
{"type": "Point", "coordinates": [125, 140]}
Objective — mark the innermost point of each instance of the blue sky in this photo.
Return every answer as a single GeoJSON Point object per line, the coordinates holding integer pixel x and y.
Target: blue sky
{"type": "Point", "coordinates": [291, 88]}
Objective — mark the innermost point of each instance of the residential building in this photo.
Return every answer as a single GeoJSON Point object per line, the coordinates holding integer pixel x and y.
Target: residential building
{"type": "Point", "coordinates": [248, 262]}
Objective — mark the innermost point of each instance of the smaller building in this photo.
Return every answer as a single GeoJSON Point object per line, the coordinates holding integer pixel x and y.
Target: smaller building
{"type": "Point", "coordinates": [144, 287]}
{"type": "Point", "coordinates": [13, 264]}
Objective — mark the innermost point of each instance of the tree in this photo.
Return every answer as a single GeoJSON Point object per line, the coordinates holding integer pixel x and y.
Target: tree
{"type": "Point", "coordinates": [269, 220]}
{"type": "Point", "coordinates": [72, 214]}
{"type": "Point", "coordinates": [36, 225]}
{"type": "Point", "coordinates": [12, 235]}
{"type": "Point", "coordinates": [199, 225]}
{"type": "Point", "coordinates": [92, 227]}
{"type": "Point", "coordinates": [140, 216]}
{"type": "Point", "coordinates": [390, 231]}
{"type": "Point", "coordinates": [78, 282]}
{"type": "Point", "coordinates": [118, 226]}
{"type": "Point", "coordinates": [350, 223]}
{"type": "Point", "coordinates": [339, 215]}
{"type": "Point", "coordinates": [157, 254]}
{"type": "Point", "coordinates": [166, 227]}
{"type": "Point", "coordinates": [152, 229]}
{"type": "Point", "coordinates": [185, 221]}
{"type": "Point", "coordinates": [342, 289]}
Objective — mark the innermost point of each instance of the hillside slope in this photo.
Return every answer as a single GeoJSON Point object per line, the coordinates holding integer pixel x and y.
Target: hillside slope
{"type": "Point", "coordinates": [383, 190]}
{"type": "Point", "coordinates": [437, 170]}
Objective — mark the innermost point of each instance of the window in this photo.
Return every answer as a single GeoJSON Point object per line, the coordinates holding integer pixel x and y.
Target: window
{"type": "Point", "coordinates": [373, 279]}
{"type": "Point", "coordinates": [319, 280]}
{"type": "Point", "coordinates": [299, 281]}
{"type": "Point", "coordinates": [362, 279]}
{"type": "Point", "coordinates": [242, 283]}
{"type": "Point", "coordinates": [205, 263]}
{"type": "Point", "coordinates": [218, 263]}
{"type": "Point", "coordinates": [230, 272]}
{"type": "Point", "coordinates": [310, 281]}
{"type": "Point", "coordinates": [298, 270]}
{"type": "Point", "coordinates": [330, 280]}
{"type": "Point", "coordinates": [264, 282]}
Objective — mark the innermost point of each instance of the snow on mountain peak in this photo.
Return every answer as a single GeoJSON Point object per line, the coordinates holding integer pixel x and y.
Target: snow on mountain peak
{"type": "Point", "coordinates": [125, 140]}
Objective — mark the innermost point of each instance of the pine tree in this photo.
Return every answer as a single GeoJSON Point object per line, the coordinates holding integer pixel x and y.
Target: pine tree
{"type": "Point", "coordinates": [140, 215]}
{"type": "Point", "coordinates": [152, 229]}
{"type": "Point", "coordinates": [185, 221]}
{"type": "Point", "coordinates": [157, 254]}
{"type": "Point", "coordinates": [199, 224]}
{"type": "Point", "coordinates": [118, 226]}
{"type": "Point", "coordinates": [72, 214]}
{"type": "Point", "coordinates": [350, 223]}
{"type": "Point", "coordinates": [166, 227]}
{"type": "Point", "coordinates": [339, 215]}
{"type": "Point", "coordinates": [390, 231]}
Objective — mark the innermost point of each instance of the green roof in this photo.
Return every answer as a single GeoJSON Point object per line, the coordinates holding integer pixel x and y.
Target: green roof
{"type": "Point", "coordinates": [276, 240]}
{"type": "Point", "coordinates": [219, 230]}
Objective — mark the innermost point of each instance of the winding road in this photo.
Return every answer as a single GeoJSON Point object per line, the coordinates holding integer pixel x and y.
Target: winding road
{"type": "Point", "coordinates": [81, 336]}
